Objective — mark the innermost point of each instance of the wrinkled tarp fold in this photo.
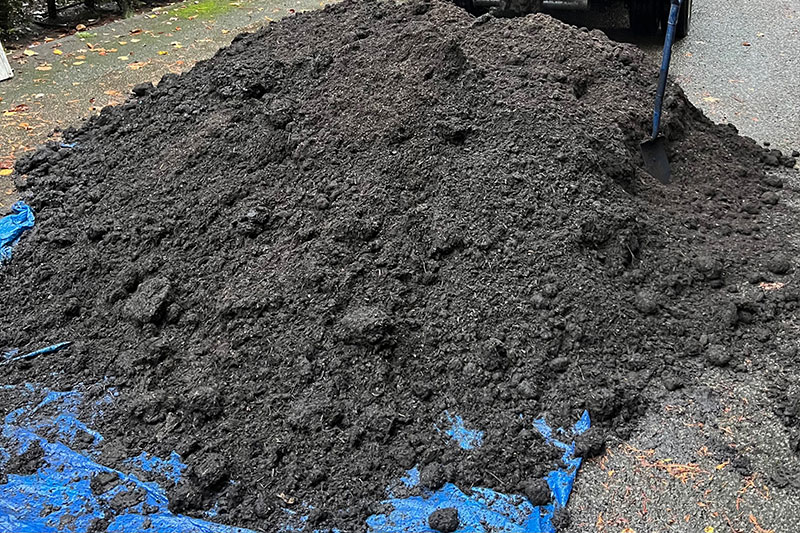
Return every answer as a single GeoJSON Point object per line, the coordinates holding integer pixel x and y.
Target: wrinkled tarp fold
{"type": "Point", "coordinates": [13, 226]}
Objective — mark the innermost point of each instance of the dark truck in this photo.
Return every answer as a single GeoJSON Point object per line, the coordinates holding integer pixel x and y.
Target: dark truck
{"type": "Point", "coordinates": [647, 17]}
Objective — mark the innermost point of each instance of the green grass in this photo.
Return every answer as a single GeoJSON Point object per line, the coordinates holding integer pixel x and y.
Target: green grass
{"type": "Point", "coordinates": [85, 35]}
{"type": "Point", "coordinates": [204, 9]}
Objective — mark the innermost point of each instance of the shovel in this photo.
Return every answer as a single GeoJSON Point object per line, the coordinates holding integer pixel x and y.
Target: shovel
{"type": "Point", "coordinates": [654, 149]}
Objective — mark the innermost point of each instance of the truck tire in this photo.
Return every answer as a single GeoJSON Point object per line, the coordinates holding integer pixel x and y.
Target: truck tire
{"type": "Point", "coordinates": [644, 16]}
{"type": "Point", "coordinates": [684, 19]}
{"type": "Point", "coordinates": [467, 5]}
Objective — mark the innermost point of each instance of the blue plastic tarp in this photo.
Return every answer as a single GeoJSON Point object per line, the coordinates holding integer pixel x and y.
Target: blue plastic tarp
{"type": "Point", "coordinates": [58, 496]}
{"type": "Point", "coordinates": [484, 510]}
{"type": "Point", "coordinates": [13, 226]}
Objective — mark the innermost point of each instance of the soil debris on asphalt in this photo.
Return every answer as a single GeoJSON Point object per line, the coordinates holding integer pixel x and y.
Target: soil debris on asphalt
{"type": "Point", "coordinates": [294, 259]}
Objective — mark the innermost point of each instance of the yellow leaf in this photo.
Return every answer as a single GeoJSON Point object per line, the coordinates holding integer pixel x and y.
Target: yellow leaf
{"type": "Point", "coordinates": [709, 529]}
{"type": "Point", "coordinates": [711, 99]}
{"type": "Point", "coordinates": [80, 27]}
{"type": "Point", "coordinates": [123, 58]}
{"type": "Point", "coordinates": [135, 40]}
{"type": "Point", "coordinates": [80, 57]}
{"type": "Point", "coordinates": [162, 52]}
{"type": "Point", "coordinates": [44, 67]}
{"type": "Point", "coordinates": [57, 52]}
{"type": "Point", "coordinates": [112, 50]}
{"type": "Point", "coordinates": [6, 172]}
{"type": "Point", "coordinates": [30, 52]}
{"type": "Point", "coordinates": [78, 63]}
{"type": "Point", "coordinates": [123, 43]}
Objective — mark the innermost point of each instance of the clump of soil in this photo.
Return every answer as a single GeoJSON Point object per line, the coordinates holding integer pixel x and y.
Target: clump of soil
{"type": "Point", "coordinates": [292, 259]}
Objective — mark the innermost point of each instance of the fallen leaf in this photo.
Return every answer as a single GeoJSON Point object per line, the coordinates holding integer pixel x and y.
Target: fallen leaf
{"type": "Point", "coordinates": [137, 65]}
{"type": "Point", "coordinates": [80, 27]}
{"type": "Point", "coordinates": [57, 52]}
{"type": "Point", "coordinates": [162, 52]}
{"type": "Point", "coordinates": [123, 43]}
{"type": "Point", "coordinates": [287, 499]}
{"type": "Point", "coordinates": [6, 172]}
{"type": "Point", "coordinates": [745, 43]}
{"type": "Point", "coordinates": [711, 99]}
{"type": "Point", "coordinates": [759, 34]}
{"type": "Point", "coordinates": [112, 50]}
{"type": "Point", "coordinates": [44, 67]}
{"type": "Point", "coordinates": [225, 32]}
{"type": "Point", "coordinates": [112, 92]}
{"type": "Point", "coordinates": [135, 40]}
{"type": "Point", "coordinates": [29, 52]}
{"type": "Point", "coordinates": [771, 286]}
{"type": "Point", "coordinates": [123, 58]}
{"type": "Point", "coordinates": [136, 31]}
{"type": "Point", "coordinates": [77, 63]}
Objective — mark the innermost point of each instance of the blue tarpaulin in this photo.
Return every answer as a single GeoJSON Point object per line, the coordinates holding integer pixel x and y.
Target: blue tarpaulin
{"type": "Point", "coordinates": [484, 510]}
{"type": "Point", "coordinates": [13, 226]}
{"type": "Point", "coordinates": [58, 496]}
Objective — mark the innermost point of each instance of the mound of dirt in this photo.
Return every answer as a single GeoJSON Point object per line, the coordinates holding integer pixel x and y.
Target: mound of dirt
{"type": "Point", "coordinates": [293, 259]}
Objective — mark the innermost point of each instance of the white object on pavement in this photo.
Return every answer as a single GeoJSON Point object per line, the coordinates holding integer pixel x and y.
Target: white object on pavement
{"type": "Point", "coordinates": [5, 68]}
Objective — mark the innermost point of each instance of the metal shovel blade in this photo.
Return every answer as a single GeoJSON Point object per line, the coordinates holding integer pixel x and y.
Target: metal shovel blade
{"type": "Point", "coordinates": [654, 152]}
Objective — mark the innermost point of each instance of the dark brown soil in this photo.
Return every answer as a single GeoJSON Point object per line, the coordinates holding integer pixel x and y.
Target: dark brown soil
{"type": "Point", "coordinates": [292, 259]}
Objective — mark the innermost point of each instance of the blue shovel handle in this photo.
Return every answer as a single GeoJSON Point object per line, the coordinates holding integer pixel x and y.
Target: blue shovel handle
{"type": "Point", "coordinates": [665, 57]}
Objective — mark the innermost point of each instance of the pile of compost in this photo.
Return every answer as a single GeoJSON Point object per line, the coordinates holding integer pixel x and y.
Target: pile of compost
{"type": "Point", "coordinates": [293, 259]}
